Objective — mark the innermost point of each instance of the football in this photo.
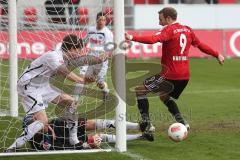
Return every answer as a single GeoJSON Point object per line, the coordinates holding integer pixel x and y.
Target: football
{"type": "Point", "coordinates": [177, 132]}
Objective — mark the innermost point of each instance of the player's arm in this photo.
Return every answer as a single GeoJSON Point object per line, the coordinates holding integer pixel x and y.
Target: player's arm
{"type": "Point", "coordinates": [160, 36]}
{"type": "Point", "coordinates": [109, 40]}
{"type": "Point", "coordinates": [65, 72]}
{"type": "Point", "coordinates": [206, 49]}
{"type": "Point", "coordinates": [87, 60]}
{"type": "Point", "coordinates": [53, 133]}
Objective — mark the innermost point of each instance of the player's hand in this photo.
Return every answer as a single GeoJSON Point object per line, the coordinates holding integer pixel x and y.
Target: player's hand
{"type": "Point", "coordinates": [103, 56]}
{"type": "Point", "coordinates": [94, 141]}
{"type": "Point", "coordinates": [128, 36]}
{"type": "Point", "coordinates": [89, 79]}
{"type": "Point", "coordinates": [220, 59]}
{"type": "Point", "coordinates": [97, 140]}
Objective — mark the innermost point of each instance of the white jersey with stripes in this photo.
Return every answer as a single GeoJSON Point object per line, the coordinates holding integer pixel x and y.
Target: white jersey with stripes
{"type": "Point", "coordinates": [42, 68]}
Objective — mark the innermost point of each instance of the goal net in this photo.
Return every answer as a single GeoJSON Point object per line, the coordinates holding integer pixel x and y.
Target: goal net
{"type": "Point", "coordinates": [42, 25]}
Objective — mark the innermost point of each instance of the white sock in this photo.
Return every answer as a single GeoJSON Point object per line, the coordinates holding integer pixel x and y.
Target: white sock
{"type": "Point", "coordinates": [133, 126]}
{"type": "Point", "coordinates": [105, 123]}
{"type": "Point", "coordinates": [112, 138]}
{"type": "Point", "coordinates": [73, 126]}
{"type": "Point", "coordinates": [131, 137]}
{"type": "Point", "coordinates": [105, 89]}
{"type": "Point", "coordinates": [110, 124]}
{"type": "Point", "coordinates": [30, 131]}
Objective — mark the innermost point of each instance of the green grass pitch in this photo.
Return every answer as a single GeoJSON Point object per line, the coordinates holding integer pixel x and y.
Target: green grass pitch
{"type": "Point", "coordinates": [210, 103]}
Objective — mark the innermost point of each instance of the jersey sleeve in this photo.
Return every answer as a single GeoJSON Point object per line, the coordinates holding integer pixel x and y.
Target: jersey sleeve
{"type": "Point", "coordinates": [202, 46]}
{"type": "Point", "coordinates": [195, 40]}
{"type": "Point", "coordinates": [161, 36]}
{"type": "Point", "coordinates": [109, 37]}
{"type": "Point", "coordinates": [54, 61]}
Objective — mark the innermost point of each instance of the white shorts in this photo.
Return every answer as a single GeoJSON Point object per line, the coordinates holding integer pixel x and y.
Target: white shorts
{"type": "Point", "coordinates": [36, 98]}
{"type": "Point", "coordinates": [99, 71]}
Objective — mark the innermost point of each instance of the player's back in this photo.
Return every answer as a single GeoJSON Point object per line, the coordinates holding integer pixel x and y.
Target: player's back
{"type": "Point", "coordinates": [42, 68]}
{"type": "Point", "coordinates": [175, 51]}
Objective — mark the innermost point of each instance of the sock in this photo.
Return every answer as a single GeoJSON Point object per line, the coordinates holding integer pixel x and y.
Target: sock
{"type": "Point", "coordinates": [72, 123]}
{"type": "Point", "coordinates": [143, 106]}
{"type": "Point", "coordinates": [173, 109]}
{"type": "Point", "coordinates": [110, 124]}
{"type": "Point", "coordinates": [112, 138]}
{"type": "Point", "coordinates": [106, 90]}
{"type": "Point", "coordinates": [133, 126]}
{"type": "Point", "coordinates": [105, 123]}
{"type": "Point", "coordinates": [29, 132]}
{"type": "Point", "coordinates": [73, 128]}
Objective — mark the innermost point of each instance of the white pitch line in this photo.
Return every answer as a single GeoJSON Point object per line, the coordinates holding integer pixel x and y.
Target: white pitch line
{"type": "Point", "coordinates": [53, 152]}
{"type": "Point", "coordinates": [135, 156]}
{"type": "Point", "coordinates": [3, 113]}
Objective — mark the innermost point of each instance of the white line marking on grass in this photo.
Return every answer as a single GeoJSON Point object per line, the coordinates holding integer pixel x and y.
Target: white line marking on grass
{"type": "Point", "coordinates": [3, 113]}
{"type": "Point", "coordinates": [135, 156]}
{"type": "Point", "coordinates": [212, 91]}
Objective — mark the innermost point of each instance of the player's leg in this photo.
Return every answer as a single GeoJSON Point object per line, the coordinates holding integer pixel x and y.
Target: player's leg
{"type": "Point", "coordinates": [142, 102]}
{"type": "Point", "coordinates": [83, 71]}
{"type": "Point", "coordinates": [111, 138]}
{"type": "Point", "coordinates": [69, 114]}
{"type": "Point", "coordinates": [28, 133]}
{"type": "Point", "coordinates": [154, 84]}
{"type": "Point", "coordinates": [101, 71]}
{"type": "Point", "coordinates": [31, 99]}
{"type": "Point", "coordinates": [108, 124]}
{"type": "Point", "coordinates": [170, 103]}
{"type": "Point", "coordinates": [143, 105]}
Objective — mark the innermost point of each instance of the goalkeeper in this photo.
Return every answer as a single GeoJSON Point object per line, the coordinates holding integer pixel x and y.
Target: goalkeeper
{"type": "Point", "coordinates": [57, 138]}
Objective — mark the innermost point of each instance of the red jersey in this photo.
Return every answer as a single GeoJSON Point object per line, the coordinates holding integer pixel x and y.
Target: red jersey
{"type": "Point", "coordinates": [176, 41]}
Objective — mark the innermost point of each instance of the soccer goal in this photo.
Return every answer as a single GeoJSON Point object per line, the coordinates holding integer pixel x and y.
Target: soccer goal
{"type": "Point", "coordinates": [31, 28]}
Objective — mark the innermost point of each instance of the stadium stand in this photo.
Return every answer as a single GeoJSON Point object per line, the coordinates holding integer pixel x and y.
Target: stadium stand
{"type": "Point", "coordinates": [109, 12]}
{"type": "Point", "coordinates": [4, 13]}
{"type": "Point", "coordinates": [30, 16]}
{"type": "Point", "coordinates": [227, 1]}
{"type": "Point", "coordinates": [60, 16]}
{"type": "Point", "coordinates": [83, 16]}
{"type": "Point", "coordinates": [147, 1]}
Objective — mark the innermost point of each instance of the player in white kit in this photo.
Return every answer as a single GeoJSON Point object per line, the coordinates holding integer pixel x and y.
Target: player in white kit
{"type": "Point", "coordinates": [35, 90]}
{"type": "Point", "coordinates": [97, 37]}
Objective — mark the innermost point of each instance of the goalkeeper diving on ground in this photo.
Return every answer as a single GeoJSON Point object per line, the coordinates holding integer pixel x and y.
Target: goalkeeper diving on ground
{"type": "Point", "coordinates": [57, 137]}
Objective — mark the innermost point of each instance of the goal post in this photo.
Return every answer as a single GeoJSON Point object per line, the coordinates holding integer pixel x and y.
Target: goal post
{"type": "Point", "coordinates": [120, 77]}
{"type": "Point", "coordinates": [13, 65]}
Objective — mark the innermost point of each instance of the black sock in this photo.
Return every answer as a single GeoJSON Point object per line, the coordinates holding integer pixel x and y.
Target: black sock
{"type": "Point", "coordinates": [173, 109]}
{"type": "Point", "coordinates": [143, 107]}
